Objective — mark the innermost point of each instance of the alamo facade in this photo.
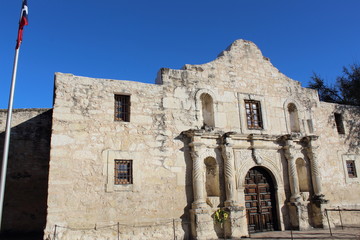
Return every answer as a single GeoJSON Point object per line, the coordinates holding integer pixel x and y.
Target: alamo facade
{"type": "Point", "coordinates": [222, 149]}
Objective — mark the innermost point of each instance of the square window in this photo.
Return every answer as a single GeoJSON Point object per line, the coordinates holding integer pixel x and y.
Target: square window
{"type": "Point", "coordinates": [122, 108]}
{"type": "Point", "coordinates": [351, 169]}
{"type": "Point", "coordinates": [253, 114]}
{"type": "Point", "coordinates": [123, 172]}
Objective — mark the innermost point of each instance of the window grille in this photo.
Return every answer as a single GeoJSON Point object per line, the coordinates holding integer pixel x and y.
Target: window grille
{"type": "Point", "coordinates": [350, 165]}
{"type": "Point", "coordinates": [123, 172]}
{"type": "Point", "coordinates": [122, 108]}
{"type": "Point", "coordinates": [253, 114]}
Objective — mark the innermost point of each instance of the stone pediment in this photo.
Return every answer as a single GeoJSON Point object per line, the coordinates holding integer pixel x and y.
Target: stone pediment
{"type": "Point", "coordinates": [241, 66]}
{"type": "Point", "coordinates": [237, 54]}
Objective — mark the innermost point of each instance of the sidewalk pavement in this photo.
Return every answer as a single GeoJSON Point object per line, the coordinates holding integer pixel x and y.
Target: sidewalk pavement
{"type": "Point", "coordinates": [337, 233]}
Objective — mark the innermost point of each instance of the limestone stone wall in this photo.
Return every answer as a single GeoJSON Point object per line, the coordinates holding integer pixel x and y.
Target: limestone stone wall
{"type": "Point", "coordinates": [240, 72]}
{"type": "Point", "coordinates": [85, 142]}
{"type": "Point", "coordinates": [336, 148]}
{"type": "Point", "coordinates": [207, 99]}
{"type": "Point", "coordinates": [27, 173]}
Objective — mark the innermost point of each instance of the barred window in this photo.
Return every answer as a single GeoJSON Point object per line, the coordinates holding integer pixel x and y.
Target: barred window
{"type": "Point", "coordinates": [122, 108]}
{"type": "Point", "coordinates": [253, 114]}
{"type": "Point", "coordinates": [350, 165]}
{"type": "Point", "coordinates": [123, 172]}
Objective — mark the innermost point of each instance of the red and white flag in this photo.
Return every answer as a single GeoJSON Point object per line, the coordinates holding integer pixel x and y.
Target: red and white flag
{"type": "Point", "coordinates": [23, 22]}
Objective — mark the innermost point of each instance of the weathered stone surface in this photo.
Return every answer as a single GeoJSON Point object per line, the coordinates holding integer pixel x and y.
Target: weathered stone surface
{"type": "Point", "coordinates": [169, 167]}
{"type": "Point", "coordinates": [28, 168]}
{"type": "Point", "coordinates": [192, 149]}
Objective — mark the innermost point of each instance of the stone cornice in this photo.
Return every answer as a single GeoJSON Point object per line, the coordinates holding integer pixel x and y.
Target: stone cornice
{"type": "Point", "coordinates": [202, 133]}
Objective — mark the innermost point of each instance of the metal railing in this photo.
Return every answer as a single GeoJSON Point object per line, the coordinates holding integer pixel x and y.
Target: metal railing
{"type": "Point", "coordinates": [172, 224]}
{"type": "Point", "coordinates": [339, 210]}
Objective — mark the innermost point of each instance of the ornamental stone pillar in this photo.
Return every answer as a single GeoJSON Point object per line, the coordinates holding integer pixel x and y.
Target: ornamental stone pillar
{"type": "Point", "coordinates": [312, 153]}
{"type": "Point", "coordinates": [202, 223]}
{"type": "Point", "coordinates": [234, 226]}
{"type": "Point", "coordinates": [229, 172]}
{"type": "Point", "coordinates": [198, 178]}
{"type": "Point", "coordinates": [297, 207]}
{"type": "Point", "coordinates": [299, 204]}
{"type": "Point", "coordinates": [293, 176]}
{"type": "Point", "coordinates": [319, 203]}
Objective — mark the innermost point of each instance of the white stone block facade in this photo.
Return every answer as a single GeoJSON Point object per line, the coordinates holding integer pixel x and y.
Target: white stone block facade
{"type": "Point", "coordinates": [193, 151]}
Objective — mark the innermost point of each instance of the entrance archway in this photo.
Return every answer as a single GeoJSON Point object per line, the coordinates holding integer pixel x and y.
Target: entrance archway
{"type": "Point", "coordinates": [260, 200]}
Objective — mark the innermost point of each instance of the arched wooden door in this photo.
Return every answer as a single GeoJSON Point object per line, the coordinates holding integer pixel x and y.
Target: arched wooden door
{"type": "Point", "coordinates": [260, 200]}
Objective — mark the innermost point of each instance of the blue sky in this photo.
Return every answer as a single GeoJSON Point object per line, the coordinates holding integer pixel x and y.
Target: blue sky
{"type": "Point", "coordinates": [132, 40]}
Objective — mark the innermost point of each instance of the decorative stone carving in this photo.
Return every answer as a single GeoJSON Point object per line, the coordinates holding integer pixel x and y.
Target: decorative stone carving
{"type": "Point", "coordinates": [257, 157]}
{"type": "Point", "coordinates": [229, 170]}
{"type": "Point", "coordinates": [198, 180]}
{"type": "Point", "coordinates": [303, 214]}
{"type": "Point", "coordinates": [304, 196]}
{"type": "Point", "coordinates": [293, 177]}
{"type": "Point", "coordinates": [213, 202]}
{"type": "Point", "coordinates": [243, 157]}
{"type": "Point", "coordinates": [312, 153]}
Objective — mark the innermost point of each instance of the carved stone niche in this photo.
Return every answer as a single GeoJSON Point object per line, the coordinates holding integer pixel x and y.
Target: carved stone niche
{"type": "Point", "coordinates": [212, 182]}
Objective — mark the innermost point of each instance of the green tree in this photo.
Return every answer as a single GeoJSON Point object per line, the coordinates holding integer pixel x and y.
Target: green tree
{"type": "Point", "coordinates": [346, 89]}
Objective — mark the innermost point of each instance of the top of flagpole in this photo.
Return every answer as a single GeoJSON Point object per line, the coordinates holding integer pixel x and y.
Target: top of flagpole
{"type": "Point", "coordinates": [23, 22]}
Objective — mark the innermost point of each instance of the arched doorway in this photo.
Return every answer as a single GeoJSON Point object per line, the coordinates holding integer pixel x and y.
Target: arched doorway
{"type": "Point", "coordinates": [260, 201]}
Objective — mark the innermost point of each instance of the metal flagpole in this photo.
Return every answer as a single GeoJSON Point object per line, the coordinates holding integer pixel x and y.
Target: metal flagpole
{"type": "Point", "coordinates": [23, 22]}
{"type": "Point", "coordinates": [7, 136]}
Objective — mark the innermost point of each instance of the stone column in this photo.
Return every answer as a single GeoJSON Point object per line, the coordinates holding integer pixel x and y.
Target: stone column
{"type": "Point", "coordinates": [319, 202]}
{"type": "Point", "coordinates": [311, 150]}
{"type": "Point", "coordinates": [293, 176]}
{"type": "Point", "coordinates": [233, 226]}
{"type": "Point", "coordinates": [298, 206]}
{"type": "Point", "coordinates": [198, 179]}
{"type": "Point", "coordinates": [315, 175]}
{"type": "Point", "coordinates": [229, 172]}
{"type": "Point", "coordinates": [202, 226]}
{"type": "Point", "coordinates": [199, 214]}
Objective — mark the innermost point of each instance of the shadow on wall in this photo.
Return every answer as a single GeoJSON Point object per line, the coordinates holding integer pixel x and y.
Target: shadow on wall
{"type": "Point", "coordinates": [185, 218]}
{"type": "Point", "coordinates": [25, 202]}
{"type": "Point", "coordinates": [284, 209]}
{"type": "Point", "coordinates": [348, 115]}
